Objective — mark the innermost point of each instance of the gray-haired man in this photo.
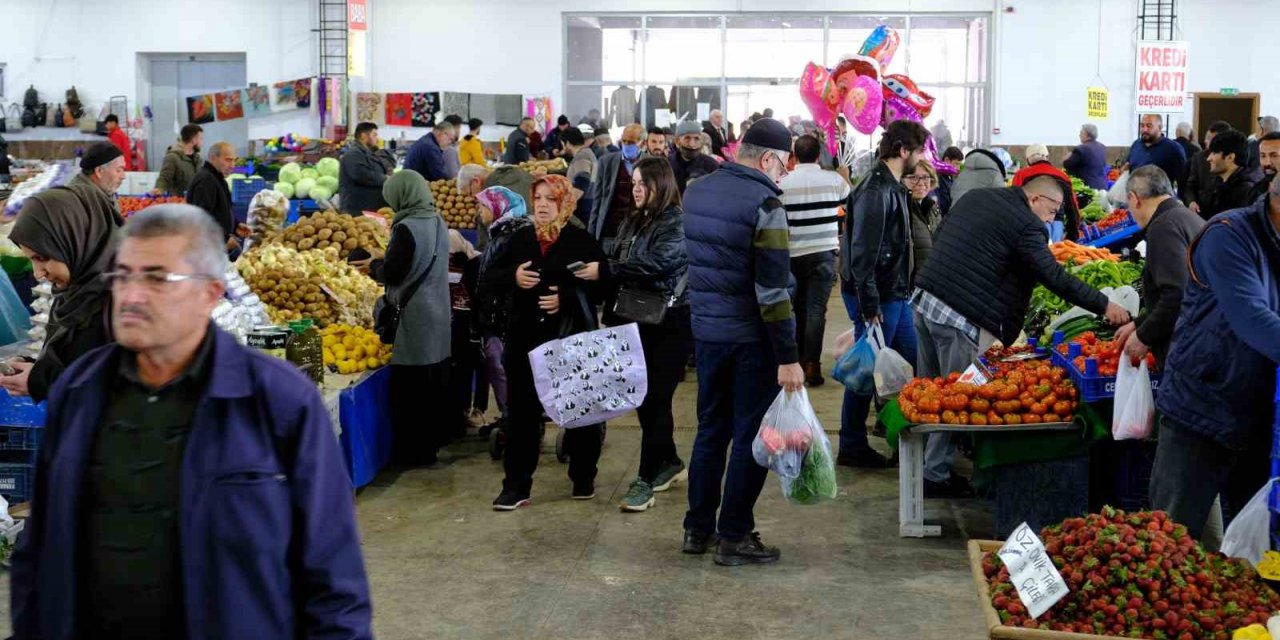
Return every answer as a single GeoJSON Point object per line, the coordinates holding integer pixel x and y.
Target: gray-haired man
{"type": "Point", "coordinates": [198, 481]}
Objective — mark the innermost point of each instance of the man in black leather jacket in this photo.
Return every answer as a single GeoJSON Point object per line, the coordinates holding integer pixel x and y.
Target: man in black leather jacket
{"type": "Point", "coordinates": [875, 267]}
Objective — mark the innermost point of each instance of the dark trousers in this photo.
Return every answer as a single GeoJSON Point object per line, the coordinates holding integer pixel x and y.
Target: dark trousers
{"type": "Point", "coordinates": [468, 360]}
{"type": "Point", "coordinates": [815, 275]}
{"type": "Point", "coordinates": [736, 385]}
{"type": "Point", "coordinates": [417, 434]}
{"type": "Point", "coordinates": [666, 351]}
{"type": "Point", "coordinates": [1190, 471]}
{"type": "Point", "coordinates": [524, 430]}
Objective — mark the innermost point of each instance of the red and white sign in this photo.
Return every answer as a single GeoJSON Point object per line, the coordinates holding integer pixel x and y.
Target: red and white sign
{"type": "Point", "coordinates": [357, 15]}
{"type": "Point", "coordinates": [1161, 85]}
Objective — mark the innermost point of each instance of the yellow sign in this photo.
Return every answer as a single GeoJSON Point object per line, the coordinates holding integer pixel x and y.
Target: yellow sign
{"type": "Point", "coordinates": [1097, 102]}
{"type": "Point", "coordinates": [357, 53]}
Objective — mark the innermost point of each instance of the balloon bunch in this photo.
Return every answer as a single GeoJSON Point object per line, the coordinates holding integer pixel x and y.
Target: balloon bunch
{"type": "Point", "coordinates": [856, 88]}
{"type": "Point", "coordinates": [287, 142]}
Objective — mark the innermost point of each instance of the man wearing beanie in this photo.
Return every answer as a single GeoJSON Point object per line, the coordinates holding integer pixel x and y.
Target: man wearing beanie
{"type": "Point", "coordinates": [552, 143]}
{"type": "Point", "coordinates": [739, 274]}
{"type": "Point", "coordinates": [100, 175]}
{"type": "Point", "coordinates": [688, 161]}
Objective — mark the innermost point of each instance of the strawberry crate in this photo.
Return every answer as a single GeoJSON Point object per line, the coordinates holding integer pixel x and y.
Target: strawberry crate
{"type": "Point", "coordinates": [1092, 386]}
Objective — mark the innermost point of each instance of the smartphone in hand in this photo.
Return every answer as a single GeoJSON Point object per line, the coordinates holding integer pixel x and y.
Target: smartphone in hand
{"type": "Point", "coordinates": [577, 266]}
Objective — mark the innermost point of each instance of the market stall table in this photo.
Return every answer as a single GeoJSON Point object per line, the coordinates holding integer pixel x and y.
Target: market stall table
{"type": "Point", "coordinates": [359, 407]}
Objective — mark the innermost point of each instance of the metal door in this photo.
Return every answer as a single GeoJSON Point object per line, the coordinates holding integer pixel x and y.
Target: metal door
{"type": "Point", "coordinates": [172, 82]}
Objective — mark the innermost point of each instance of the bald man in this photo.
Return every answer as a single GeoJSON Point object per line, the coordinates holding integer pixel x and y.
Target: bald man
{"type": "Point", "coordinates": [210, 192]}
{"type": "Point", "coordinates": [1153, 147]}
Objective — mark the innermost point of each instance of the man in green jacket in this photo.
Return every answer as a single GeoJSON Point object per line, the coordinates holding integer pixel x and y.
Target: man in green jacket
{"type": "Point", "coordinates": [181, 162]}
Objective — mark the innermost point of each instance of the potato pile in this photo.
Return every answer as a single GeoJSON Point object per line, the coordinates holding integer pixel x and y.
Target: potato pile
{"type": "Point", "coordinates": [556, 165]}
{"type": "Point", "coordinates": [314, 284]}
{"type": "Point", "coordinates": [459, 210]}
{"type": "Point", "coordinates": [333, 229]}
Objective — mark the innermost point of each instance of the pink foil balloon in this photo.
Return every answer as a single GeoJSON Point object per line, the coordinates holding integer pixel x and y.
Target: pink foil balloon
{"type": "Point", "coordinates": [820, 94]}
{"type": "Point", "coordinates": [862, 104]}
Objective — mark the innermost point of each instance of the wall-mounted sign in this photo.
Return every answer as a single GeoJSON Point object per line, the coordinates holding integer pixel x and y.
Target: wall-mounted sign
{"type": "Point", "coordinates": [1097, 99]}
{"type": "Point", "coordinates": [1161, 85]}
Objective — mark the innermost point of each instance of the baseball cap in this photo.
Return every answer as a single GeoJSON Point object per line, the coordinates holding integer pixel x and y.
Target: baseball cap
{"type": "Point", "coordinates": [769, 134]}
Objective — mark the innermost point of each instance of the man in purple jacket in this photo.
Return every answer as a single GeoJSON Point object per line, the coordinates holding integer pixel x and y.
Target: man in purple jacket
{"type": "Point", "coordinates": [187, 487]}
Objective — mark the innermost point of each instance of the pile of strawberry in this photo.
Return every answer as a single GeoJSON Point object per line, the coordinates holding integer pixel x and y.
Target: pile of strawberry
{"type": "Point", "coordinates": [1138, 575]}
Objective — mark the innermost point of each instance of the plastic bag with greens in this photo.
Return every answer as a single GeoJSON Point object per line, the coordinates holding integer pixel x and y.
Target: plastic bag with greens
{"type": "Point", "coordinates": [816, 481]}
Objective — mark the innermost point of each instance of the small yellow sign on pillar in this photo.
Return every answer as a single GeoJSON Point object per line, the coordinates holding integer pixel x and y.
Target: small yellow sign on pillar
{"type": "Point", "coordinates": [1097, 101]}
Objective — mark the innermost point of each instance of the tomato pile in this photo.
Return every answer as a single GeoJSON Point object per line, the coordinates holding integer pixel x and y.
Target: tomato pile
{"type": "Point", "coordinates": [130, 205]}
{"type": "Point", "coordinates": [1137, 575]}
{"type": "Point", "coordinates": [1117, 218]}
{"type": "Point", "coordinates": [1028, 392]}
{"type": "Point", "coordinates": [1106, 352]}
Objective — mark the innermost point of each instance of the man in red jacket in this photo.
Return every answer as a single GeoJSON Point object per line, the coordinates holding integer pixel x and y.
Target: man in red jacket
{"type": "Point", "coordinates": [120, 139]}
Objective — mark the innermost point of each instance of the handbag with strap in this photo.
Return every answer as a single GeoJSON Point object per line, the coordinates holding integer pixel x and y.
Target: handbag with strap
{"type": "Point", "coordinates": [647, 307]}
{"type": "Point", "coordinates": [386, 314]}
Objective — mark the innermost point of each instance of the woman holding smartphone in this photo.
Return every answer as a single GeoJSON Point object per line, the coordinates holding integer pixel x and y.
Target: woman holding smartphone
{"type": "Point", "coordinates": [69, 248]}
{"type": "Point", "coordinates": [649, 262]}
{"type": "Point", "coordinates": [536, 265]}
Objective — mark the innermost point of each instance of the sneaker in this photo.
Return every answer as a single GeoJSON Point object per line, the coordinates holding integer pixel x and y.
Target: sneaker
{"type": "Point", "coordinates": [671, 474]}
{"type": "Point", "coordinates": [813, 374]}
{"type": "Point", "coordinates": [696, 542]}
{"type": "Point", "coordinates": [510, 501]}
{"type": "Point", "coordinates": [863, 459]}
{"type": "Point", "coordinates": [585, 491]}
{"type": "Point", "coordinates": [639, 497]}
{"type": "Point", "coordinates": [749, 550]}
{"type": "Point", "coordinates": [955, 488]}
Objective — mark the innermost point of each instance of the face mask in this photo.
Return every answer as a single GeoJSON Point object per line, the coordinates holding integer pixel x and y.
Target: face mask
{"type": "Point", "coordinates": [630, 151]}
{"type": "Point", "coordinates": [689, 154]}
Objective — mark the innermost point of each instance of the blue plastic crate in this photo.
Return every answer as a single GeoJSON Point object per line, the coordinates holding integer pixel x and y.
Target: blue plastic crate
{"type": "Point", "coordinates": [243, 191]}
{"type": "Point", "coordinates": [20, 411]}
{"type": "Point", "coordinates": [20, 438]}
{"type": "Point", "coordinates": [16, 481]}
{"type": "Point", "coordinates": [1092, 387]}
{"type": "Point", "coordinates": [299, 209]}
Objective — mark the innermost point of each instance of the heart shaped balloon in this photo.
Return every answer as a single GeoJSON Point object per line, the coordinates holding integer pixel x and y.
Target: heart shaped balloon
{"type": "Point", "coordinates": [862, 104]}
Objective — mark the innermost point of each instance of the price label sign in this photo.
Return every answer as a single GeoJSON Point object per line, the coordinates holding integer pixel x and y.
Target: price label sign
{"type": "Point", "coordinates": [1031, 571]}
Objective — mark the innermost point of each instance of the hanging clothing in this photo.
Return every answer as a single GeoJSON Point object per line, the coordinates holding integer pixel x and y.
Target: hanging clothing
{"type": "Point", "coordinates": [654, 98]}
{"type": "Point", "coordinates": [709, 95]}
{"type": "Point", "coordinates": [623, 107]}
{"type": "Point", "coordinates": [683, 102]}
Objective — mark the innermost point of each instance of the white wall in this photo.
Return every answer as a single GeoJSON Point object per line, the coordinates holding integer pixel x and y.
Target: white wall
{"type": "Point", "coordinates": [55, 44]}
{"type": "Point", "coordinates": [1045, 53]}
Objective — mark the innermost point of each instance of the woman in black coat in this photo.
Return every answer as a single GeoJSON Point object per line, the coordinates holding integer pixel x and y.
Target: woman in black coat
{"type": "Point", "coordinates": [925, 215]}
{"type": "Point", "coordinates": [547, 303]}
{"type": "Point", "coordinates": [650, 258]}
{"type": "Point", "coordinates": [70, 247]}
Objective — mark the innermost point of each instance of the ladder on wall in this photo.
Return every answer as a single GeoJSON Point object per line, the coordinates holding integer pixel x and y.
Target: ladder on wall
{"type": "Point", "coordinates": [333, 52]}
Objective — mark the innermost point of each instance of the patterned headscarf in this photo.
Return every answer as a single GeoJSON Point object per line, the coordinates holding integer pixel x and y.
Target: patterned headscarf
{"type": "Point", "coordinates": [502, 201]}
{"type": "Point", "coordinates": [566, 198]}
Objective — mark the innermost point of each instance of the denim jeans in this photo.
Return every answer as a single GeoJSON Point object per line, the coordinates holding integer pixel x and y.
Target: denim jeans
{"type": "Point", "coordinates": [900, 335]}
{"type": "Point", "coordinates": [815, 274]}
{"type": "Point", "coordinates": [736, 385]}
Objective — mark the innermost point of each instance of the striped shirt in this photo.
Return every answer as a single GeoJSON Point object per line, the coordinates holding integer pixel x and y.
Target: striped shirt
{"type": "Point", "coordinates": [812, 197]}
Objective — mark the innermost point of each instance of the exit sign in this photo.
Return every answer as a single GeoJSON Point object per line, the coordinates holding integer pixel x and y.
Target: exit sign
{"type": "Point", "coordinates": [1229, 91]}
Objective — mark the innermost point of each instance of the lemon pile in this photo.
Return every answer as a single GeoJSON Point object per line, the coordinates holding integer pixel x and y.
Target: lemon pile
{"type": "Point", "coordinates": [349, 349]}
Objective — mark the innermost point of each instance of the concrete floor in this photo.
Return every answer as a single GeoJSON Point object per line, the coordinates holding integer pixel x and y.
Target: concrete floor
{"type": "Point", "coordinates": [442, 565]}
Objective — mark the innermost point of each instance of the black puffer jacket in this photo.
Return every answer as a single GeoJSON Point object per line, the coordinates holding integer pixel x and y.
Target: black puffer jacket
{"type": "Point", "coordinates": [1232, 193]}
{"type": "Point", "coordinates": [875, 246]}
{"type": "Point", "coordinates": [650, 255]}
{"type": "Point", "coordinates": [492, 304]}
{"type": "Point", "coordinates": [988, 255]}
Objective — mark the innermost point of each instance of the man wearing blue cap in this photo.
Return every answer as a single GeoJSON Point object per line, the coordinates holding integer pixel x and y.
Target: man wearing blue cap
{"type": "Point", "coordinates": [739, 274]}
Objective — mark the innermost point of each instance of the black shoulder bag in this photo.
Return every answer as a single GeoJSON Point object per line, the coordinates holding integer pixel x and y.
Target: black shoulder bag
{"type": "Point", "coordinates": [386, 315]}
{"type": "Point", "coordinates": [647, 307]}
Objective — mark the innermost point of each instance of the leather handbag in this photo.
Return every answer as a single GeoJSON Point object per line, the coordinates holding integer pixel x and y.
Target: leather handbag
{"type": "Point", "coordinates": [647, 307]}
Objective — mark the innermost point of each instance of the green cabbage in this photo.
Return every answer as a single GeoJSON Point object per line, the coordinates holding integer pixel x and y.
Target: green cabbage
{"type": "Point", "coordinates": [291, 173]}
{"type": "Point", "coordinates": [328, 182]}
{"type": "Point", "coordinates": [303, 187]}
{"type": "Point", "coordinates": [328, 167]}
{"type": "Point", "coordinates": [321, 192]}
{"type": "Point", "coordinates": [284, 188]}
{"type": "Point", "coordinates": [310, 172]}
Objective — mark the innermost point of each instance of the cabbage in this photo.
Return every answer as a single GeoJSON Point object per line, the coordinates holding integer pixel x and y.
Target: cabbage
{"type": "Point", "coordinates": [328, 167]}
{"type": "Point", "coordinates": [328, 182]}
{"type": "Point", "coordinates": [303, 187]}
{"type": "Point", "coordinates": [310, 173]}
{"type": "Point", "coordinates": [284, 188]}
{"type": "Point", "coordinates": [321, 192]}
{"type": "Point", "coordinates": [291, 173]}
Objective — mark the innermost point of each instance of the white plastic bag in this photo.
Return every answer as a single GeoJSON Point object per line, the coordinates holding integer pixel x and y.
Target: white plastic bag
{"type": "Point", "coordinates": [893, 372]}
{"type": "Point", "coordinates": [1249, 535]}
{"type": "Point", "coordinates": [786, 433]}
{"type": "Point", "coordinates": [1119, 192]}
{"type": "Point", "coordinates": [1134, 406]}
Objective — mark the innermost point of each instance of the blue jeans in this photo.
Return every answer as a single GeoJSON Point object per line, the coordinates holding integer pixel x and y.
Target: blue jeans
{"type": "Point", "coordinates": [900, 334]}
{"type": "Point", "coordinates": [736, 385]}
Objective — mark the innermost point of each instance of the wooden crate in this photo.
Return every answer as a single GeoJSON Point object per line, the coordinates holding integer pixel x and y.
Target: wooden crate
{"type": "Point", "coordinates": [995, 629]}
